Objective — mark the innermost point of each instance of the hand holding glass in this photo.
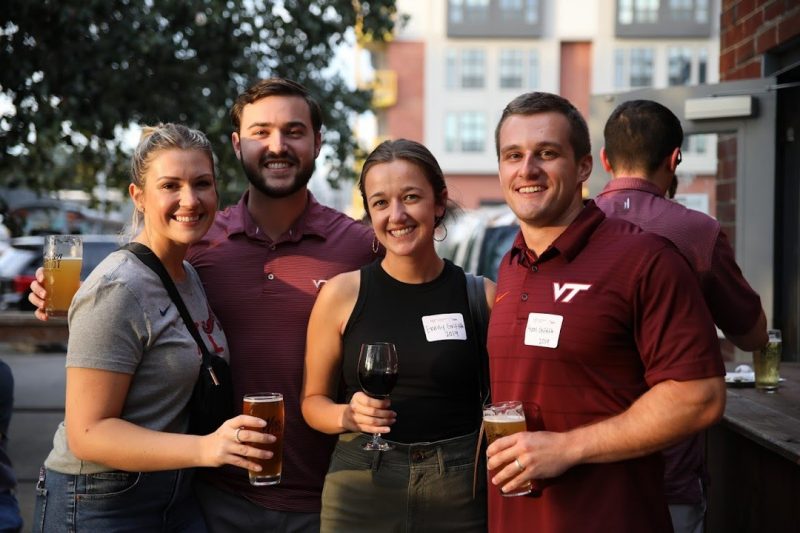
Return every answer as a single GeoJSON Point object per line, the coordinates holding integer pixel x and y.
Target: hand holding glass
{"type": "Point", "coordinates": [63, 256]}
{"type": "Point", "coordinates": [267, 406]}
{"type": "Point", "coordinates": [501, 420]}
{"type": "Point", "coordinates": [377, 374]}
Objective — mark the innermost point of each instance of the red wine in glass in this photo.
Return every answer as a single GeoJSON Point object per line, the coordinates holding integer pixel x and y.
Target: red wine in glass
{"type": "Point", "coordinates": [377, 375]}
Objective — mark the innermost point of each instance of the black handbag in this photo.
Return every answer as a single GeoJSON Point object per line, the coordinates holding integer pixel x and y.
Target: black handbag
{"type": "Point", "coordinates": [211, 403]}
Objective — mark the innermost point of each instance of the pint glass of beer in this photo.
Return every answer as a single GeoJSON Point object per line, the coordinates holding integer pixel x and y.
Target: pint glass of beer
{"type": "Point", "coordinates": [501, 420]}
{"type": "Point", "coordinates": [269, 407]}
{"type": "Point", "coordinates": [63, 255]}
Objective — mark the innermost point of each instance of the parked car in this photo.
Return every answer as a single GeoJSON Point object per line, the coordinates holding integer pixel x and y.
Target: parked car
{"type": "Point", "coordinates": [19, 262]}
{"type": "Point", "coordinates": [478, 239]}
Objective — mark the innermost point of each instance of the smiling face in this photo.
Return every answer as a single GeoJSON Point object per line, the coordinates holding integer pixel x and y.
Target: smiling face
{"type": "Point", "coordinates": [277, 145]}
{"type": "Point", "coordinates": [403, 207]}
{"type": "Point", "coordinates": [539, 176]}
{"type": "Point", "coordinates": [178, 199]}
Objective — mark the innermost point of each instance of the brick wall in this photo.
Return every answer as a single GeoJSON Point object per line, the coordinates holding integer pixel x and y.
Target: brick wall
{"type": "Point", "coordinates": [406, 119]}
{"type": "Point", "coordinates": [749, 29]}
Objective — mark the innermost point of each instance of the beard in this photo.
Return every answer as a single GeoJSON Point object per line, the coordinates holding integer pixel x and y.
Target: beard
{"type": "Point", "coordinates": [287, 188]}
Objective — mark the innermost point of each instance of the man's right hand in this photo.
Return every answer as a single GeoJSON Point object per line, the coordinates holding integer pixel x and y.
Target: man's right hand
{"type": "Point", "coordinates": [37, 294]}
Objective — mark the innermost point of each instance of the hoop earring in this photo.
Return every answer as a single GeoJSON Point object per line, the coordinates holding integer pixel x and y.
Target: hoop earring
{"type": "Point", "coordinates": [375, 245]}
{"type": "Point", "coordinates": [443, 237]}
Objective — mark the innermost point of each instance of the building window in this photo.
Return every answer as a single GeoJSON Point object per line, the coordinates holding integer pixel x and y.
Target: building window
{"type": "Point", "coordinates": [619, 69]}
{"type": "Point", "coordinates": [637, 11]}
{"type": "Point", "coordinates": [701, 11]}
{"type": "Point", "coordinates": [516, 10]}
{"type": "Point", "coordinates": [511, 69]}
{"type": "Point", "coordinates": [451, 69]}
{"type": "Point", "coordinates": [472, 69]}
{"type": "Point", "coordinates": [680, 66]}
{"type": "Point", "coordinates": [641, 67]}
{"type": "Point", "coordinates": [533, 69]}
{"type": "Point", "coordinates": [465, 132]}
{"type": "Point", "coordinates": [702, 65]}
{"type": "Point", "coordinates": [681, 10]}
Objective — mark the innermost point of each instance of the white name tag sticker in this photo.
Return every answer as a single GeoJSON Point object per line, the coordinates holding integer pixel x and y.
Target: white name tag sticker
{"type": "Point", "coordinates": [543, 330]}
{"type": "Point", "coordinates": [444, 327]}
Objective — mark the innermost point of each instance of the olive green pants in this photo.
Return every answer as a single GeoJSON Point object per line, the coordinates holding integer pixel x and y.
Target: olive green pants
{"type": "Point", "coordinates": [424, 487]}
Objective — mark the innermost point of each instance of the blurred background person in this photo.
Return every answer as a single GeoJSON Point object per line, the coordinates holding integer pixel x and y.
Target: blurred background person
{"type": "Point", "coordinates": [642, 152]}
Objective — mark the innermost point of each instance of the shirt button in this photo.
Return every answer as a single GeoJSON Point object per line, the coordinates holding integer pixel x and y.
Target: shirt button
{"type": "Point", "coordinates": [524, 296]}
{"type": "Point", "coordinates": [270, 276]}
{"type": "Point", "coordinates": [272, 247]}
{"type": "Point", "coordinates": [535, 268]}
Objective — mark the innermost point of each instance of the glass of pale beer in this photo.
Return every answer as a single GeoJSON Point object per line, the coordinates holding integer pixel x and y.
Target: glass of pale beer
{"type": "Point", "coordinates": [63, 256]}
{"type": "Point", "coordinates": [501, 420]}
{"type": "Point", "coordinates": [267, 406]}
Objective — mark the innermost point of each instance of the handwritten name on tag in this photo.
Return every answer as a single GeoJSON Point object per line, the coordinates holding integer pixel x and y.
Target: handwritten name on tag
{"type": "Point", "coordinates": [444, 327]}
{"type": "Point", "coordinates": [543, 330]}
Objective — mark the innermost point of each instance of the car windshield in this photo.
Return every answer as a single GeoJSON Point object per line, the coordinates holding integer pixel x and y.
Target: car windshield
{"type": "Point", "coordinates": [14, 260]}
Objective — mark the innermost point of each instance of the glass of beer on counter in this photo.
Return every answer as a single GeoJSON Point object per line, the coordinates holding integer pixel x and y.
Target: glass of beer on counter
{"type": "Point", "coordinates": [501, 420]}
{"type": "Point", "coordinates": [766, 363]}
{"type": "Point", "coordinates": [63, 256]}
{"type": "Point", "coordinates": [267, 406]}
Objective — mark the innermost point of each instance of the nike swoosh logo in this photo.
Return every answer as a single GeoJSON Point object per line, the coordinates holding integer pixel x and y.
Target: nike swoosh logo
{"type": "Point", "coordinates": [164, 312]}
{"type": "Point", "coordinates": [498, 298]}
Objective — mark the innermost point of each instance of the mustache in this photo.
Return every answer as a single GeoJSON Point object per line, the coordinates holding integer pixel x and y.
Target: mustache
{"type": "Point", "coordinates": [283, 156]}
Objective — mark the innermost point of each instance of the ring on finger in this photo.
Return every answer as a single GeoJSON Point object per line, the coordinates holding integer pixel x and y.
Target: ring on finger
{"type": "Point", "coordinates": [519, 465]}
{"type": "Point", "coordinates": [237, 436]}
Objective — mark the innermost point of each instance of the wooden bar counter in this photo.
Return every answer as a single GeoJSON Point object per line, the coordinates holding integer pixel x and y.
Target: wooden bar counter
{"type": "Point", "coordinates": [754, 459]}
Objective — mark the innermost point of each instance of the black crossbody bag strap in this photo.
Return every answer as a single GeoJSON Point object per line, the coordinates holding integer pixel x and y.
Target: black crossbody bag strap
{"type": "Point", "coordinates": [150, 259]}
{"type": "Point", "coordinates": [479, 311]}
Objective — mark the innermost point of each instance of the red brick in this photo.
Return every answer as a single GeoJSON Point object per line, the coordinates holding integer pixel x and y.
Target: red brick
{"type": "Point", "coordinates": [727, 61]}
{"type": "Point", "coordinates": [726, 192]}
{"type": "Point", "coordinates": [746, 7]}
{"type": "Point", "coordinates": [774, 10]}
{"type": "Point", "coordinates": [726, 213]}
{"type": "Point", "coordinates": [754, 22]}
{"type": "Point", "coordinates": [745, 51]}
{"type": "Point", "coordinates": [767, 40]}
{"type": "Point", "coordinates": [789, 26]}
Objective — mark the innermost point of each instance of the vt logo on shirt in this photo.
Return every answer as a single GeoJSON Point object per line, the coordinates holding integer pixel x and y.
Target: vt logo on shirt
{"type": "Point", "coordinates": [566, 292]}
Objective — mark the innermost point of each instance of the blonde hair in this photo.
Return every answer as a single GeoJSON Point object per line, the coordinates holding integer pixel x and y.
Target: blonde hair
{"type": "Point", "coordinates": [156, 139]}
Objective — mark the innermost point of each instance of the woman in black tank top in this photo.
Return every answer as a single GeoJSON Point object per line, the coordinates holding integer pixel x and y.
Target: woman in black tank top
{"type": "Point", "coordinates": [418, 301]}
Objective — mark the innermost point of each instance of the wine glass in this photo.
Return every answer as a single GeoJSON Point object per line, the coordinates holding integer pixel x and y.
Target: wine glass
{"type": "Point", "coordinates": [377, 374]}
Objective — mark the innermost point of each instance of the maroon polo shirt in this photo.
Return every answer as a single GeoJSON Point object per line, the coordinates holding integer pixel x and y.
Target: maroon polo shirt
{"type": "Point", "coordinates": [262, 292]}
{"type": "Point", "coordinates": [629, 319]}
{"type": "Point", "coordinates": [734, 305]}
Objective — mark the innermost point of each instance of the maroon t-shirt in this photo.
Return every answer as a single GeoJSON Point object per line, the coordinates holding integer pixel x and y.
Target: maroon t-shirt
{"type": "Point", "coordinates": [262, 292]}
{"type": "Point", "coordinates": [734, 305]}
{"type": "Point", "coordinates": [607, 312]}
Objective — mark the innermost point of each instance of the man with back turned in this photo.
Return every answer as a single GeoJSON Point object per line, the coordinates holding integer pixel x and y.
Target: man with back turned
{"type": "Point", "coordinates": [642, 151]}
{"type": "Point", "coordinates": [596, 330]}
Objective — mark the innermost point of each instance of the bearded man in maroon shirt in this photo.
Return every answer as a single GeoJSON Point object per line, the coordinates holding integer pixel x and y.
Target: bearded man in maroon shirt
{"type": "Point", "coordinates": [599, 329]}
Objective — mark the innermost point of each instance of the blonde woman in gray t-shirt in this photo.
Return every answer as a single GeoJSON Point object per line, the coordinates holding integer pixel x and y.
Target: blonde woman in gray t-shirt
{"type": "Point", "coordinates": [121, 460]}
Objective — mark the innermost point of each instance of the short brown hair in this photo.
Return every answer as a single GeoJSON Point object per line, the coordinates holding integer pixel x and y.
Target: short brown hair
{"type": "Point", "coordinates": [275, 87]}
{"type": "Point", "coordinates": [538, 102]}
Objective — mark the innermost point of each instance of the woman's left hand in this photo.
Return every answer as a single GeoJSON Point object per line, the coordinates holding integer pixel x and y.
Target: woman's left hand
{"type": "Point", "coordinates": [368, 415]}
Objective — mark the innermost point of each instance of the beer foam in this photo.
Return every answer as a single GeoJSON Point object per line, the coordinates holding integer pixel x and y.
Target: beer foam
{"type": "Point", "coordinates": [504, 419]}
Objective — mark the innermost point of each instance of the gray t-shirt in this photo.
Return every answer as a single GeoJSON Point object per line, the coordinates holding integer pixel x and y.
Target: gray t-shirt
{"type": "Point", "coordinates": [123, 320]}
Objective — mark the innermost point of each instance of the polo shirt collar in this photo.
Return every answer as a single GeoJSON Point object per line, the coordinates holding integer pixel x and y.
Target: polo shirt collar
{"type": "Point", "coordinates": [570, 243]}
{"type": "Point", "coordinates": [628, 184]}
{"type": "Point", "coordinates": [306, 224]}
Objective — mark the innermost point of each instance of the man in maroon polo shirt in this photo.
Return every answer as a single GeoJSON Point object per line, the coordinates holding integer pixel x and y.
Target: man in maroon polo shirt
{"type": "Point", "coordinates": [642, 151]}
{"type": "Point", "coordinates": [595, 328]}
{"type": "Point", "coordinates": [262, 264]}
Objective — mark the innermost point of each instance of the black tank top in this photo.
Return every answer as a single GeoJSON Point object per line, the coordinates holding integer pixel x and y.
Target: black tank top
{"type": "Point", "coordinates": [437, 393]}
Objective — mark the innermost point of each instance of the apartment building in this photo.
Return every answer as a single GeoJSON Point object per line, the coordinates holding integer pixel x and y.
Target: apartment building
{"type": "Point", "coordinates": [456, 63]}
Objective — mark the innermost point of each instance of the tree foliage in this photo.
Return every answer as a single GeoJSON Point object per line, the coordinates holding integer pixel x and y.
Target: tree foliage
{"type": "Point", "coordinates": [79, 72]}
